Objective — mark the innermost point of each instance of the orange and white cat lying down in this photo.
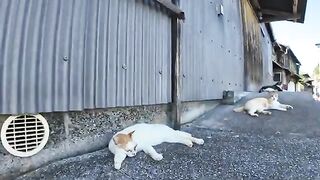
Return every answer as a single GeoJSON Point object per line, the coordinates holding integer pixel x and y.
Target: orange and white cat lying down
{"type": "Point", "coordinates": [260, 105]}
{"type": "Point", "coordinates": [142, 137]}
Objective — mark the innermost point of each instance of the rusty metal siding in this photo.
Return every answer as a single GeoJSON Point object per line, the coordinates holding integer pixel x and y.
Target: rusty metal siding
{"type": "Point", "coordinates": [258, 50]}
{"type": "Point", "coordinates": [70, 55]}
{"type": "Point", "coordinates": [212, 49]}
{"type": "Point", "coordinates": [252, 48]}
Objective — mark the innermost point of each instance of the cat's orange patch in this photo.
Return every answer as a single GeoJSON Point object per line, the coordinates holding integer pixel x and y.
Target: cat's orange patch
{"type": "Point", "coordinates": [122, 139]}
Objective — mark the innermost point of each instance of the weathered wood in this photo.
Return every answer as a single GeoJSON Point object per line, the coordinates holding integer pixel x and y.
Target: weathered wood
{"type": "Point", "coordinates": [294, 10]}
{"type": "Point", "coordinates": [176, 71]}
{"type": "Point", "coordinates": [253, 64]}
{"type": "Point", "coordinates": [280, 13]}
{"type": "Point", "coordinates": [272, 19]}
{"type": "Point", "coordinates": [295, 6]}
{"type": "Point", "coordinates": [255, 4]}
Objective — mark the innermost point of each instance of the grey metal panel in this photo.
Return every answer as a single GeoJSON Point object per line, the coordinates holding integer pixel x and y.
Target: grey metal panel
{"type": "Point", "coordinates": [167, 60]}
{"type": "Point", "coordinates": [145, 57]}
{"type": "Point", "coordinates": [138, 54]}
{"type": "Point", "coordinates": [152, 71]}
{"type": "Point", "coordinates": [112, 53]}
{"type": "Point", "coordinates": [212, 49]}
{"type": "Point", "coordinates": [130, 56]}
{"type": "Point", "coordinates": [267, 48]}
{"type": "Point", "coordinates": [101, 64]}
{"type": "Point", "coordinates": [61, 56]}
{"type": "Point", "coordinates": [121, 66]}
{"type": "Point", "coordinates": [65, 55]}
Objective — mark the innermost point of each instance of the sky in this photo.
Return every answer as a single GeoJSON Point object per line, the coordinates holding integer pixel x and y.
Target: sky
{"type": "Point", "coordinates": [301, 38]}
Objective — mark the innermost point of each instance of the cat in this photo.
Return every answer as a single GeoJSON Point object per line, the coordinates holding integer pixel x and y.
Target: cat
{"type": "Point", "coordinates": [261, 104]}
{"type": "Point", "coordinates": [271, 88]}
{"type": "Point", "coordinates": [142, 137]}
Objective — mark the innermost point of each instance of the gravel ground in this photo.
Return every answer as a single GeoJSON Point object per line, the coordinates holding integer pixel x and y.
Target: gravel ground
{"type": "Point", "coordinates": [225, 155]}
{"type": "Point", "coordinates": [284, 145]}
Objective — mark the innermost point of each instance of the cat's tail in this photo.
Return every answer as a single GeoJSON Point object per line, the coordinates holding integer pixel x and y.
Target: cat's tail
{"type": "Point", "coordinates": [239, 109]}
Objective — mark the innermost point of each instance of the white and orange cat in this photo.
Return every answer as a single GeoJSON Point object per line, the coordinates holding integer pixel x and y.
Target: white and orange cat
{"type": "Point", "coordinates": [260, 105]}
{"type": "Point", "coordinates": [142, 137]}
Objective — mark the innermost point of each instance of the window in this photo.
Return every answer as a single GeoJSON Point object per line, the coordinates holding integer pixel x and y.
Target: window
{"type": "Point", "coordinates": [277, 76]}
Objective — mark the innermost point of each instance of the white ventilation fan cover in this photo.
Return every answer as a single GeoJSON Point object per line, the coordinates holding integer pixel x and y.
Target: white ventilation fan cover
{"type": "Point", "coordinates": [24, 135]}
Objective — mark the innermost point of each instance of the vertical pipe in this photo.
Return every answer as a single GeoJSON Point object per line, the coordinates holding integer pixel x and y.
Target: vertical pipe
{"type": "Point", "coordinates": [176, 70]}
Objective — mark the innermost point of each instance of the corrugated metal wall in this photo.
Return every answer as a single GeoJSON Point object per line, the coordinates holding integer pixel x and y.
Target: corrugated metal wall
{"type": "Point", "coordinates": [212, 49]}
{"type": "Point", "coordinates": [60, 55]}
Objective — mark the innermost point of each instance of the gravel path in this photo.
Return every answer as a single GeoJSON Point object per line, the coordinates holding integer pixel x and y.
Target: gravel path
{"type": "Point", "coordinates": [284, 145]}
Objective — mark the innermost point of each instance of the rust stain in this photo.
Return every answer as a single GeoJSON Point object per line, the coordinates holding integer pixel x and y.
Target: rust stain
{"type": "Point", "coordinates": [252, 48]}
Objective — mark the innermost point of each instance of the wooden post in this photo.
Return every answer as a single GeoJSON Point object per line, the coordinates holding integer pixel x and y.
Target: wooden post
{"type": "Point", "coordinates": [176, 70]}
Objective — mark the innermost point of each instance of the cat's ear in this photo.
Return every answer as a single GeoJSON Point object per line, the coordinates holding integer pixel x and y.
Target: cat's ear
{"type": "Point", "coordinates": [130, 134]}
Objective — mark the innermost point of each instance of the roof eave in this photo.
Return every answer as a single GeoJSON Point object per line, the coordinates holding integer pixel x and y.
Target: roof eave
{"type": "Point", "coordinates": [272, 10]}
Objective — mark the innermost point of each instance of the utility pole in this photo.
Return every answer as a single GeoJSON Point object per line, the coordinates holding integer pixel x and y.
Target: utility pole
{"type": "Point", "coordinates": [318, 46]}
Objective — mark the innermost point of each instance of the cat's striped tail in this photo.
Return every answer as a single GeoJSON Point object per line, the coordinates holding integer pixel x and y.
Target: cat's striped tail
{"type": "Point", "coordinates": [239, 109]}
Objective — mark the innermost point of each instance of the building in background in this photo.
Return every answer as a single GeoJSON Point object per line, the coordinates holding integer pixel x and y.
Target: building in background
{"type": "Point", "coordinates": [286, 67]}
{"type": "Point", "coordinates": [307, 83]}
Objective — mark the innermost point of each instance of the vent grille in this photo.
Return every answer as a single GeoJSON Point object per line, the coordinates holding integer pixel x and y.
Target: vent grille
{"type": "Point", "coordinates": [24, 135]}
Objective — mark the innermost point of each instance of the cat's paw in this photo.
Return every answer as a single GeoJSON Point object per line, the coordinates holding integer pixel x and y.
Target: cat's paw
{"type": "Point", "coordinates": [199, 141]}
{"type": "Point", "coordinates": [157, 157]}
{"type": "Point", "coordinates": [254, 115]}
{"type": "Point", "coordinates": [289, 107]}
{"type": "Point", "coordinates": [189, 143]}
{"type": "Point", "coordinates": [117, 166]}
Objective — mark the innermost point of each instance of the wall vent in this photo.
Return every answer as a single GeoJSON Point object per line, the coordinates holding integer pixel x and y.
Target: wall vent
{"type": "Point", "coordinates": [24, 135]}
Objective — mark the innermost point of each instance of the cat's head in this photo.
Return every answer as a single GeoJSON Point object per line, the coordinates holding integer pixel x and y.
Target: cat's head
{"type": "Point", "coordinates": [125, 142]}
{"type": "Point", "coordinates": [273, 96]}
